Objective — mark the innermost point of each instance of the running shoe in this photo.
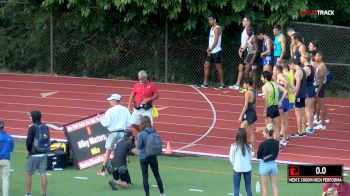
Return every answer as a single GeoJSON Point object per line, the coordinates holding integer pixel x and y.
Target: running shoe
{"type": "Point", "coordinates": [296, 135]}
{"type": "Point", "coordinates": [326, 120]}
{"type": "Point", "coordinates": [320, 127]}
{"type": "Point", "coordinates": [27, 194]}
{"type": "Point", "coordinates": [281, 138]}
{"type": "Point", "coordinates": [220, 87]}
{"type": "Point", "coordinates": [261, 95]}
{"type": "Point", "coordinates": [316, 122]}
{"type": "Point", "coordinates": [283, 143]}
{"type": "Point", "coordinates": [234, 87]}
{"type": "Point", "coordinates": [310, 130]}
{"type": "Point", "coordinates": [112, 185]}
{"type": "Point", "coordinates": [304, 135]}
{"type": "Point", "coordinates": [202, 86]}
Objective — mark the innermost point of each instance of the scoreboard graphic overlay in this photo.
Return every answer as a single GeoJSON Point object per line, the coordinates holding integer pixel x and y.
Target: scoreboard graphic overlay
{"type": "Point", "coordinates": [87, 138]}
{"type": "Point", "coordinates": [315, 173]}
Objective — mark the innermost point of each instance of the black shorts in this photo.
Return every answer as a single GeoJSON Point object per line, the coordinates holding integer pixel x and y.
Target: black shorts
{"type": "Point", "coordinates": [299, 102]}
{"type": "Point", "coordinates": [272, 111]}
{"type": "Point", "coordinates": [322, 92]}
{"type": "Point", "coordinates": [248, 59]}
{"type": "Point", "coordinates": [311, 91]}
{"type": "Point", "coordinates": [250, 116]}
{"type": "Point", "coordinates": [244, 56]}
{"type": "Point", "coordinates": [214, 57]}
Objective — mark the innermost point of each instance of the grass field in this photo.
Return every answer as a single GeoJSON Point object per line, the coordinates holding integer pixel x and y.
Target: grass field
{"type": "Point", "coordinates": [213, 177]}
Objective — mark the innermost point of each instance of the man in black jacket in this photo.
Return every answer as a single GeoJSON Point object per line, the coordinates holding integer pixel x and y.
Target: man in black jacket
{"type": "Point", "coordinates": [36, 160]}
{"type": "Point", "coordinates": [121, 177]}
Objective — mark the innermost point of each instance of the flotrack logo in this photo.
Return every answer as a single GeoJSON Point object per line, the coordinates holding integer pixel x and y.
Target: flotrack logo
{"type": "Point", "coordinates": [317, 12]}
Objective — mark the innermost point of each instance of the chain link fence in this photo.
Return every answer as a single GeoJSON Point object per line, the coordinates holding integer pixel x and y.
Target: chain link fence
{"type": "Point", "coordinates": [51, 44]}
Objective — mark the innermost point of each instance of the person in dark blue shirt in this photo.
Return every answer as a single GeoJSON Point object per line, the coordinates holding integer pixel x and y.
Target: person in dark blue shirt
{"type": "Point", "coordinates": [36, 160]}
{"type": "Point", "coordinates": [146, 127]}
{"type": "Point", "coordinates": [6, 147]}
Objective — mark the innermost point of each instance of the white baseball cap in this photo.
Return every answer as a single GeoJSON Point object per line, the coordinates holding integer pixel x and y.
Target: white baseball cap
{"type": "Point", "coordinates": [114, 97]}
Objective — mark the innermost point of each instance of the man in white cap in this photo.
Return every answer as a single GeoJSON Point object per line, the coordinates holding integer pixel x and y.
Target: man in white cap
{"type": "Point", "coordinates": [116, 119]}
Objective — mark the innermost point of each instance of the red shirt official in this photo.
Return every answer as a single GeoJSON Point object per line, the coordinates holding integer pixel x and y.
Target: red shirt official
{"type": "Point", "coordinates": [143, 91]}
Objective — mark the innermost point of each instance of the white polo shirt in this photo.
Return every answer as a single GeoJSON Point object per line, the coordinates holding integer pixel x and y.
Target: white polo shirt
{"type": "Point", "coordinates": [116, 118]}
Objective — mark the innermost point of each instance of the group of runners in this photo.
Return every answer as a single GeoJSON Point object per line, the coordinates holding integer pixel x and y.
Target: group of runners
{"type": "Point", "coordinates": [297, 84]}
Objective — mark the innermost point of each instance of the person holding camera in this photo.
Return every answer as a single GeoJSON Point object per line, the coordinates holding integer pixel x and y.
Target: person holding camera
{"type": "Point", "coordinates": [118, 166]}
{"type": "Point", "coordinates": [141, 99]}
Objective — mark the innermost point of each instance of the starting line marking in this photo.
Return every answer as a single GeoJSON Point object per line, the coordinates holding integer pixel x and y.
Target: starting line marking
{"type": "Point", "coordinates": [80, 178]}
{"type": "Point", "coordinates": [196, 190]}
{"type": "Point", "coordinates": [48, 94]}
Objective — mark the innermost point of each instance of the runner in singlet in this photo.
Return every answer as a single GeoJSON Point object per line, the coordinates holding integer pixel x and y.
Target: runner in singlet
{"type": "Point", "coordinates": [310, 99]}
{"type": "Point", "coordinates": [248, 116]}
{"type": "Point", "coordinates": [282, 81]}
{"type": "Point", "coordinates": [242, 52]}
{"type": "Point", "coordinates": [290, 77]}
{"type": "Point", "coordinates": [279, 44]}
{"type": "Point", "coordinates": [271, 90]}
{"type": "Point", "coordinates": [298, 48]}
{"type": "Point", "coordinates": [213, 53]}
{"type": "Point", "coordinates": [300, 91]}
{"type": "Point", "coordinates": [267, 50]}
{"type": "Point", "coordinates": [252, 50]}
{"type": "Point", "coordinates": [322, 76]}
{"type": "Point", "coordinates": [313, 49]}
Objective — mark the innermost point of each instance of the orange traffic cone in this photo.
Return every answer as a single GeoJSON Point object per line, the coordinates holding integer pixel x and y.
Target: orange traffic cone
{"type": "Point", "coordinates": [168, 149]}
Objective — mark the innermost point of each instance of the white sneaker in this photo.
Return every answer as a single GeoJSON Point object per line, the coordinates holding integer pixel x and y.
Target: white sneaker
{"type": "Point", "coordinates": [316, 122]}
{"type": "Point", "coordinates": [234, 87]}
{"type": "Point", "coordinates": [320, 127]}
{"type": "Point", "coordinates": [261, 95]}
{"type": "Point", "coordinates": [326, 120]}
{"type": "Point", "coordinates": [283, 143]}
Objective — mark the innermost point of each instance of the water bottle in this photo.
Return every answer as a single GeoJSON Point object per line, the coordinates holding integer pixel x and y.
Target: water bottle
{"type": "Point", "coordinates": [257, 187]}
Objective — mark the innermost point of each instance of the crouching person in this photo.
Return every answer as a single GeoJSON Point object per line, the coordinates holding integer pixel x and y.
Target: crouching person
{"type": "Point", "coordinates": [118, 165]}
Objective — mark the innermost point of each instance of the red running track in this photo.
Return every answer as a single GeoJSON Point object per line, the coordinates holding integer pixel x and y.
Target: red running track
{"type": "Point", "coordinates": [194, 121]}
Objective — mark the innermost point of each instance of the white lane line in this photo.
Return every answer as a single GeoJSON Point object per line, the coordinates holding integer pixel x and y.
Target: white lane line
{"type": "Point", "coordinates": [196, 190]}
{"type": "Point", "coordinates": [156, 186]}
{"type": "Point", "coordinates": [212, 124]}
{"type": "Point", "coordinates": [80, 178]}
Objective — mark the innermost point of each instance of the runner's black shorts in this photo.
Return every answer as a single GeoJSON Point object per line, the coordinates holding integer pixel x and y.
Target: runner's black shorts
{"type": "Point", "coordinates": [322, 92]}
{"type": "Point", "coordinates": [244, 56]}
{"type": "Point", "coordinates": [272, 111]}
{"type": "Point", "coordinates": [249, 116]}
{"type": "Point", "coordinates": [299, 102]}
{"type": "Point", "coordinates": [214, 57]}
